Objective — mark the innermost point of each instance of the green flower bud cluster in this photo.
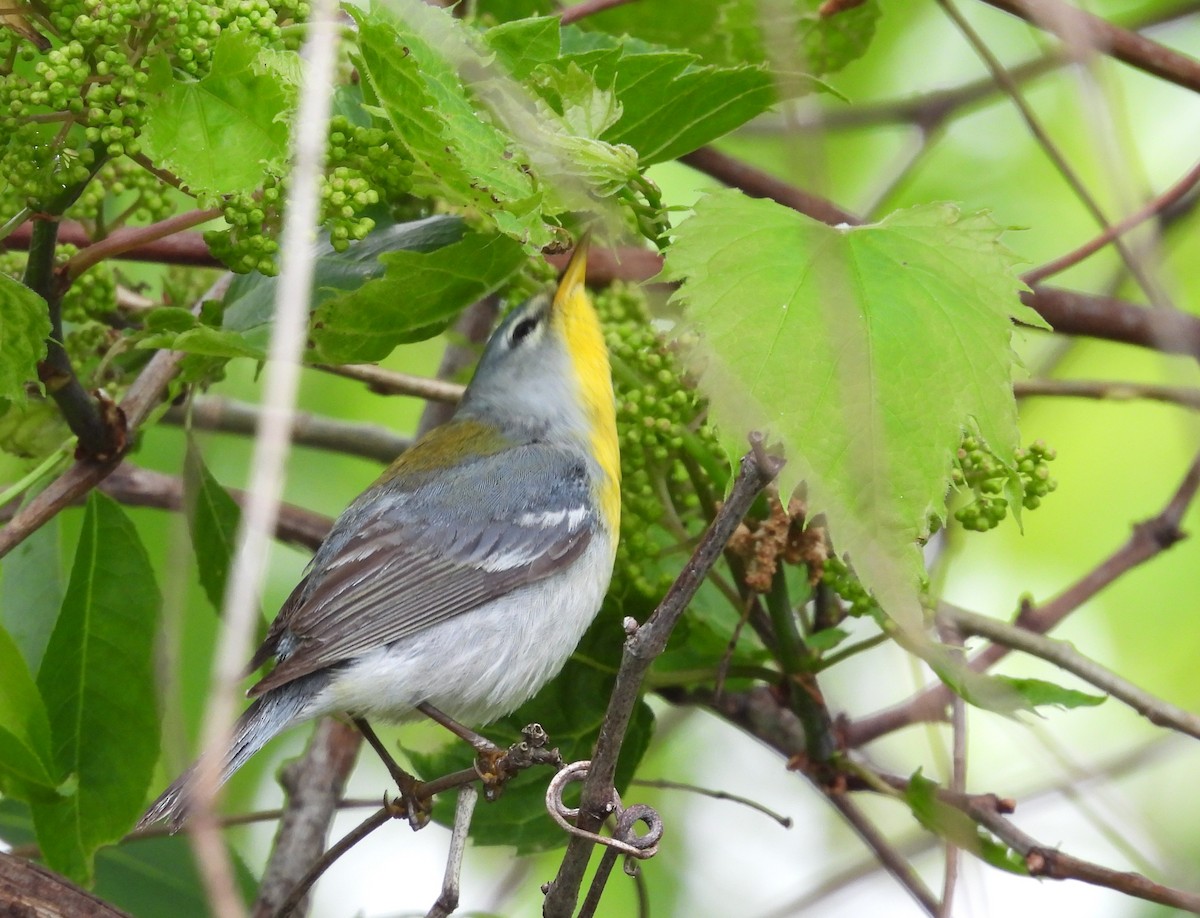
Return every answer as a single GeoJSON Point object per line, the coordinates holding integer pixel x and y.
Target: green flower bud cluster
{"type": "Point", "coordinates": [841, 579]}
{"type": "Point", "coordinates": [83, 97]}
{"type": "Point", "coordinates": [93, 294]}
{"type": "Point", "coordinates": [364, 165]}
{"type": "Point", "coordinates": [122, 191]}
{"type": "Point", "coordinates": [981, 471]}
{"type": "Point", "coordinates": [660, 418]}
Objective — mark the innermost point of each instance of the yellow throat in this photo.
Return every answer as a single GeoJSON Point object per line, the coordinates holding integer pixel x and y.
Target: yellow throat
{"type": "Point", "coordinates": [574, 317]}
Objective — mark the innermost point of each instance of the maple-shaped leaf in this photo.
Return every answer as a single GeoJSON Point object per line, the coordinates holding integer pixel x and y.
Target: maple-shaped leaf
{"type": "Point", "coordinates": [866, 350]}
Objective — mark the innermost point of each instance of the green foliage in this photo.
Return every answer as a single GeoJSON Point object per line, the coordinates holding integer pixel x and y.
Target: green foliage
{"type": "Point", "coordinates": [1039, 693]}
{"type": "Point", "coordinates": [981, 473]}
{"type": "Point", "coordinates": [27, 768]}
{"type": "Point", "coordinates": [24, 326]}
{"type": "Point", "coordinates": [98, 687]}
{"type": "Point", "coordinates": [31, 592]}
{"type": "Point", "coordinates": [957, 827]}
{"type": "Point", "coordinates": [213, 518]}
{"type": "Point", "coordinates": [218, 133]}
{"type": "Point", "coordinates": [903, 331]}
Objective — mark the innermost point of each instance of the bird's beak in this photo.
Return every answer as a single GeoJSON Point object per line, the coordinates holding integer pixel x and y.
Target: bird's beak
{"type": "Point", "coordinates": [571, 285]}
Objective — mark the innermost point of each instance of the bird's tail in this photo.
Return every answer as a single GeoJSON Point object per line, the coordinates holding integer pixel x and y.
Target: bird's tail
{"type": "Point", "coordinates": [266, 717]}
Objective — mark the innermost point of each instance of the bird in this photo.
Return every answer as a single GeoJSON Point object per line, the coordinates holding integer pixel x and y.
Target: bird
{"type": "Point", "coordinates": [465, 576]}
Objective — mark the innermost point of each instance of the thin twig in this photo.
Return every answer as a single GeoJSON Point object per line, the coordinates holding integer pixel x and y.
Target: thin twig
{"type": "Point", "coordinates": [1111, 390]}
{"type": "Point", "coordinates": [389, 382]}
{"type": "Point", "coordinates": [1070, 312]}
{"type": "Point", "coordinates": [891, 859]}
{"type": "Point", "coordinates": [130, 238]}
{"type": "Point", "coordinates": [370, 441]}
{"type": "Point", "coordinates": [1150, 209]}
{"type": "Point", "coordinates": [1064, 655]}
{"type": "Point", "coordinates": [759, 184]}
{"type": "Point", "coordinates": [1055, 864]}
{"type": "Point", "coordinates": [1069, 23]}
{"type": "Point", "coordinates": [588, 8]}
{"type": "Point", "coordinates": [1050, 148]}
{"type": "Point", "coordinates": [785, 821]}
{"type": "Point", "coordinates": [642, 646]}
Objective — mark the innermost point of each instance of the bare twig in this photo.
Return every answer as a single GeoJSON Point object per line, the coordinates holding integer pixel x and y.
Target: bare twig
{"type": "Point", "coordinates": [181, 248]}
{"type": "Point", "coordinates": [1072, 313]}
{"type": "Point", "coordinates": [447, 900]}
{"type": "Point", "coordinates": [785, 821]}
{"type": "Point", "coordinates": [1054, 864]}
{"type": "Point", "coordinates": [34, 890]}
{"type": "Point", "coordinates": [1152, 208]}
{"type": "Point", "coordinates": [1111, 390]}
{"type": "Point", "coordinates": [642, 646]}
{"type": "Point", "coordinates": [588, 8]}
{"type": "Point", "coordinates": [370, 441]}
{"type": "Point", "coordinates": [1148, 539]}
{"type": "Point", "coordinates": [891, 859]}
{"type": "Point", "coordinates": [1070, 23]}
{"type": "Point", "coordinates": [1064, 655]}
{"type": "Point", "coordinates": [1055, 155]}
{"type": "Point", "coordinates": [132, 238]}
{"type": "Point", "coordinates": [313, 784]}
{"type": "Point", "coordinates": [389, 382]}
{"type": "Point", "coordinates": [759, 184]}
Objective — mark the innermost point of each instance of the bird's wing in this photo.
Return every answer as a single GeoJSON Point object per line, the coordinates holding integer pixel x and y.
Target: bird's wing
{"type": "Point", "coordinates": [397, 562]}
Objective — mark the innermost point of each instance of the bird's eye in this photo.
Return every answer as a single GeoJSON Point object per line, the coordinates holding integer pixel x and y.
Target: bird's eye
{"type": "Point", "coordinates": [522, 329]}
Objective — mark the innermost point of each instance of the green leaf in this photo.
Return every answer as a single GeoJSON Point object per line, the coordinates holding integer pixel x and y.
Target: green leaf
{"type": "Point", "coordinates": [250, 302]}
{"type": "Point", "coordinates": [1038, 693]}
{"type": "Point", "coordinates": [419, 294]}
{"type": "Point", "coordinates": [219, 134]}
{"type": "Point", "coordinates": [98, 686]}
{"type": "Point", "coordinates": [204, 341]}
{"type": "Point", "coordinates": [213, 518]}
{"type": "Point", "coordinates": [571, 708]}
{"type": "Point", "coordinates": [412, 62]}
{"type": "Point", "coordinates": [670, 103]}
{"type": "Point", "coordinates": [790, 36]}
{"type": "Point", "coordinates": [957, 827]}
{"type": "Point", "coordinates": [826, 639]}
{"type": "Point", "coordinates": [26, 762]}
{"type": "Point", "coordinates": [24, 328]}
{"type": "Point", "coordinates": [32, 592]}
{"type": "Point", "coordinates": [867, 351]}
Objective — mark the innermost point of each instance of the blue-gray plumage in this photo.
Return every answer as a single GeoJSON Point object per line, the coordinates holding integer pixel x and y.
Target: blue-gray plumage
{"type": "Point", "coordinates": [465, 576]}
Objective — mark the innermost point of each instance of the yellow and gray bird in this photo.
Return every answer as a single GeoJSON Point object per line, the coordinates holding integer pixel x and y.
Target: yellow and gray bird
{"type": "Point", "coordinates": [466, 575]}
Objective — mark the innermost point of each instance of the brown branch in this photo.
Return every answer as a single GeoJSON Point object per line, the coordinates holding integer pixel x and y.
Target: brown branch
{"type": "Point", "coordinates": [143, 395]}
{"type": "Point", "coordinates": [759, 184]}
{"type": "Point", "coordinates": [133, 238]}
{"type": "Point", "coordinates": [1073, 25]}
{"type": "Point", "coordinates": [1072, 313]}
{"type": "Point", "coordinates": [182, 248]}
{"type": "Point", "coordinates": [588, 8]}
{"type": "Point", "coordinates": [1149, 538]}
{"type": "Point", "coordinates": [891, 859]}
{"type": "Point", "coordinates": [370, 441]}
{"type": "Point", "coordinates": [313, 785]}
{"type": "Point", "coordinates": [138, 487]}
{"type": "Point", "coordinates": [1111, 390]}
{"type": "Point", "coordinates": [28, 889]}
{"type": "Point", "coordinates": [1051, 863]}
{"type": "Point", "coordinates": [1152, 208]}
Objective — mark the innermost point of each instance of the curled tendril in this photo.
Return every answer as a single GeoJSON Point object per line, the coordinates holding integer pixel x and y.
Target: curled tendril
{"type": "Point", "coordinates": [625, 838]}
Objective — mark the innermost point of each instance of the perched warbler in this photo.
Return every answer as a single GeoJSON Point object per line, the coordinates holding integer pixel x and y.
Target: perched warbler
{"type": "Point", "coordinates": [466, 575]}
